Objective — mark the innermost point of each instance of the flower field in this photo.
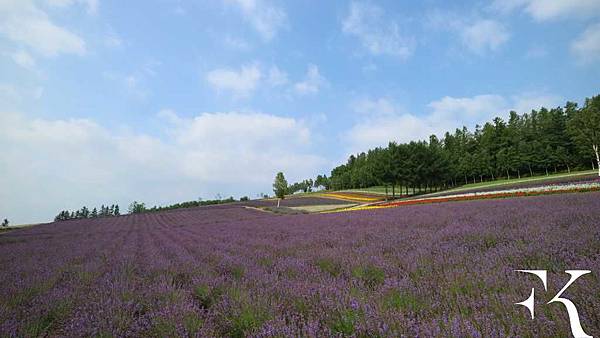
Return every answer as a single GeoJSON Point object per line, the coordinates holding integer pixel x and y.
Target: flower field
{"type": "Point", "coordinates": [579, 179]}
{"type": "Point", "coordinates": [294, 202]}
{"type": "Point", "coordinates": [435, 270]}
{"type": "Point", "coordinates": [481, 195]}
{"type": "Point", "coordinates": [353, 196]}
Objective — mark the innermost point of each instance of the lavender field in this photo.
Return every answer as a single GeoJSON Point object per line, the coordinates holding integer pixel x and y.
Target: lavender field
{"type": "Point", "coordinates": [428, 270]}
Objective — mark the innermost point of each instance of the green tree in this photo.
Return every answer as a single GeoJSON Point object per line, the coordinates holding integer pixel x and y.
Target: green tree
{"type": "Point", "coordinates": [321, 181]}
{"type": "Point", "coordinates": [584, 127]}
{"type": "Point", "coordinates": [117, 212]}
{"type": "Point", "coordinates": [136, 207]}
{"type": "Point", "coordinates": [85, 212]}
{"type": "Point", "coordinates": [532, 142]}
{"type": "Point", "coordinates": [280, 187]}
{"type": "Point", "coordinates": [5, 223]}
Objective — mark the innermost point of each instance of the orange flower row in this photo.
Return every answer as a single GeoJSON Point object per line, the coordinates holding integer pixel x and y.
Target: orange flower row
{"type": "Point", "coordinates": [470, 198]}
{"type": "Point", "coordinates": [492, 196]}
{"type": "Point", "coordinates": [352, 197]}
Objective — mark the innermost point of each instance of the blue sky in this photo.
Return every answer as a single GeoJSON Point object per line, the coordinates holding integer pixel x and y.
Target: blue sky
{"type": "Point", "coordinates": [163, 101]}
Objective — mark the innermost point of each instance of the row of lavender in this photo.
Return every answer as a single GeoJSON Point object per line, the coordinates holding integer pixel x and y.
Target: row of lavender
{"type": "Point", "coordinates": [431, 270]}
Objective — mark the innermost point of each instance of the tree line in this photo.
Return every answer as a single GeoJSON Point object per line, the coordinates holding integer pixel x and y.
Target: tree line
{"type": "Point", "coordinates": [320, 182]}
{"type": "Point", "coordinates": [538, 142]}
{"type": "Point", "coordinates": [303, 186]}
{"type": "Point", "coordinates": [282, 188]}
{"type": "Point", "coordinates": [138, 207]}
{"type": "Point", "coordinates": [85, 212]}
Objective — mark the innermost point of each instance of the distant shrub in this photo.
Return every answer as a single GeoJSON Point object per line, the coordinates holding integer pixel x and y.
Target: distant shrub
{"type": "Point", "coordinates": [246, 321]}
{"type": "Point", "coordinates": [206, 296]}
{"type": "Point", "coordinates": [344, 322]}
{"type": "Point", "coordinates": [266, 262]}
{"type": "Point", "coordinates": [181, 280]}
{"type": "Point", "coordinates": [402, 300]}
{"type": "Point", "coordinates": [237, 272]}
{"type": "Point", "coordinates": [192, 324]}
{"type": "Point", "coordinates": [328, 265]}
{"type": "Point", "coordinates": [371, 275]}
{"type": "Point", "coordinates": [163, 328]}
{"type": "Point", "coordinates": [45, 324]}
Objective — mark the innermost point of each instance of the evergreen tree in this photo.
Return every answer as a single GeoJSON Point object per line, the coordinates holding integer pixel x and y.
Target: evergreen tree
{"type": "Point", "coordinates": [280, 187]}
{"type": "Point", "coordinates": [85, 212]}
{"type": "Point", "coordinates": [584, 127]}
{"type": "Point", "coordinates": [535, 142]}
{"type": "Point", "coordinates": [136, 207]}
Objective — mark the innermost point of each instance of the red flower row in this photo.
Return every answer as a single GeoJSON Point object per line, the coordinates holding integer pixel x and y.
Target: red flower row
{"type": "Point", "coordinates": [489, 196]}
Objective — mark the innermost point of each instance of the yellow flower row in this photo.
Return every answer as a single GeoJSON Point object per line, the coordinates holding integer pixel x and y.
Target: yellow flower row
{"type": "Point", "coordinates": [359, 207]}
{"type": "Point", "coordinates": [350, 197]}
{"type": "Point", "coordinates": [466, 197]}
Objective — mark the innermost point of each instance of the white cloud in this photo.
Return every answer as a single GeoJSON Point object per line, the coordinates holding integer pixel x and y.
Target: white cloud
{"type": "Point", "coordinates": [525, 103]}
{"type": "Point", "coordinates": [369, 68]}
{"type": "Point", "coordinates": [179, 10]}
{"type": "Point", "coordinates": [277, 77]}
{"type": "Point", "coordinates": [483, 35]}
{"type": "Point", "coordinates": [38, 92]}
{"type": "Point", "coordinates": [536, 52]}
{"type": "Point", "coordinates": [467, 110]}
{"type": "Point", "coordinates": [380, 131]}
{"type": "Point", "coordinates": [170, 116]}
{"type": "Point", "coordinates": [586, 46]}
{"type": "Point", "coordinates": [243, 82]}
{"type": "Point", "coordinates": [91, 5]}
{"type": "Point", "coordinates": [265, 18]}
{"type": "Point", "coordinates": [133, 84]}
{"type": "Point", "coordinates": [382, 120]}
{"type": "Point", "coordinates": [113, 41]}
{"type": "Point", "coordinates": [131, 81]}
{"type": "Point", "coordinates": [12, 95]}
{"type": "Point", "coordinates": [258, 143]}
{"type": "Point", "coordinates": [24, 23]}
{"type": "Point", "coordinates": [236, 43]}
{"type": "Point", "coordinates": [476, 34]}
{"type": "Point", "coordinates": [78, 162]}
{"type": "Point", "coordinates": [240, 82]}
{"type": "Point", "coordinates": [24, 59]}
{"type": "Point", "coordinates": [135, 87]}
{"type": "Point", "coordinates": [376, 107]}
{"type": "Point", "coordinates": [542, 10]}
{"type": "Point", "coordinates": [377, 35]}
{"type": "Point", "coordinates": [312, 82]}
{"type": "Point", "coordinates": [9, 94]}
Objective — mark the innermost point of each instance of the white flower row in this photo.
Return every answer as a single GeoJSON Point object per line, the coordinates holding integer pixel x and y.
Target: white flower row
{"type": "Point", "coordinates": [545, 188]}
